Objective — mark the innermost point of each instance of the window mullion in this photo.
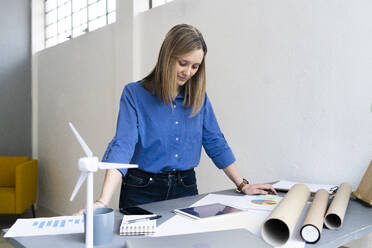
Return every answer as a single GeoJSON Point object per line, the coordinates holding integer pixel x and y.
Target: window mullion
{"type": "Point", "coordinates": [72, 20]}
{"type": "Point", "coordinates": [58, 13]}
{"type": "Point", "coordinates": [87, 29]}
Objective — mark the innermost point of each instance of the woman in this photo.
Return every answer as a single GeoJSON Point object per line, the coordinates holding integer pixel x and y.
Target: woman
{"type": "Point", "coordinates": [164, 121]}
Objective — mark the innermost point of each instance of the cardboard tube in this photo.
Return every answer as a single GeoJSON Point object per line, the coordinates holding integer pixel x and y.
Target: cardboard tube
{"type": "Point", "coordinates": [279, 226]}
{"type": "Point", "coordinates": [364, 190]}
{"type": "Point", "coordinates": [313, 223]}
{"type": "Point", "coordinates": [336, 211]}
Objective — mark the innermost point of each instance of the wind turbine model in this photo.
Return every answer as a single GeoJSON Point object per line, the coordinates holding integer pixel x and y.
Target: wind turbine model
{"type": "Point", "coordinates": [88, 165]}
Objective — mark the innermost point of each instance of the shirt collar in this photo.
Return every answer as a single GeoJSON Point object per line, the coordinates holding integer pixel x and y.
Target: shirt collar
{"type": "Point", "coordinates": [181, 95]}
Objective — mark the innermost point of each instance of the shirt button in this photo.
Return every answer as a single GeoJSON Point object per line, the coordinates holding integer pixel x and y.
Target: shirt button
{"type": "Point", "coordinates": [176, 122]}
{"type": "Point", "coordinates": [177, 139]}
{"type": "Point", "coordinates": [176, 156]}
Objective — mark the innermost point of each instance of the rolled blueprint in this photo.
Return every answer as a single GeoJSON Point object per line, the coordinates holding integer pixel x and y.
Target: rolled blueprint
{"type": "Point", "coordinates": [313, 223]}
{"type": "Point", "coordinates": [279, 226]}
{"type": "Point", "coordinates": [336, 211]}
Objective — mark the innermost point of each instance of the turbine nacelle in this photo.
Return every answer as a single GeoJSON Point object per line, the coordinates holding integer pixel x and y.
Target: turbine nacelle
{"type": "Point", "coordinates": [88, 164]}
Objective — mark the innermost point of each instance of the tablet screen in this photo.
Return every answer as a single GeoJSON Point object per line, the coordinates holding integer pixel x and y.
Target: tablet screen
{"type": "Point", "coordinates": [206, 211]}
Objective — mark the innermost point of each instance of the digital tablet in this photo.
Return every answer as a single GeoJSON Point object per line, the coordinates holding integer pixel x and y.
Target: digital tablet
{"type": "Point", "coordinates": [206, 211]}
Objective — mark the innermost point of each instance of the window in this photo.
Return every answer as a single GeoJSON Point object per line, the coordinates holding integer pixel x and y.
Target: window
{"type": "Point", "coordinates": [156, 3]}
{"type": "Point", "coordinates": [66, 19]}
{"type": "Point", "coordinates": [145, 5]}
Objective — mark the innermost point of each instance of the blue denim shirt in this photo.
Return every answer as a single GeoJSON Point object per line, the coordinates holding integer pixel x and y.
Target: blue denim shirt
{"type": "Point", "coordinates": [159, 138]}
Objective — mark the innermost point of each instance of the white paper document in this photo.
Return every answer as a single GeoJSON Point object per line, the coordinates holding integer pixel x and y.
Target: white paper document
{"type": "Point", "coordinates": [251, 219]}
{"type": "Point", "coordinates": [287, 185]}
{"type": "Point", "coordinates": [245, 202]}
{"type": "Point", "coordinates": [258, 202]}
{"type": "Point", "coordinates": [46, 226]}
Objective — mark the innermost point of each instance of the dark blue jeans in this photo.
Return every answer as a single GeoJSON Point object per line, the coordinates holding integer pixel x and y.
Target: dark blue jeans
{"type": "Point", "coordinates": [139, 187]}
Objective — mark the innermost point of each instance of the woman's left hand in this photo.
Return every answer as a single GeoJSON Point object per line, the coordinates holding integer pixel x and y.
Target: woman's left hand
{"type": "Point", "coordinates": [259, 189]}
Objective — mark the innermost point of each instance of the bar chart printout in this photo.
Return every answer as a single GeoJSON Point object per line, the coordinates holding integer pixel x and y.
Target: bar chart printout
{"type": "Point", "coordinates": [46, 226]}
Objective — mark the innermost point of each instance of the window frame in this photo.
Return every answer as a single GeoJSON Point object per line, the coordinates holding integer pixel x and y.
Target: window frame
{"type": "Point", "coordinates": [86, 24]}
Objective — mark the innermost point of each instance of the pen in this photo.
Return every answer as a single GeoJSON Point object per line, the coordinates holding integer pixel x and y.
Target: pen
{"type": "Point", "coordinates": [143, 219]}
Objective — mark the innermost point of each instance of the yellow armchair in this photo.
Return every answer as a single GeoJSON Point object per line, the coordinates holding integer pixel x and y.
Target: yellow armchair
{"type": "Point", "coordinates": [18, 184]}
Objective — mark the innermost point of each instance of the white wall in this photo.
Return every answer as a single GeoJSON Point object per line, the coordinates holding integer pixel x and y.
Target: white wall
{"type": "Point", "coordinates": [79, 87]}
{"type": "Point", "coordinates": [289, 82]}
{"type": "Point", "coordinates": [80, 81]}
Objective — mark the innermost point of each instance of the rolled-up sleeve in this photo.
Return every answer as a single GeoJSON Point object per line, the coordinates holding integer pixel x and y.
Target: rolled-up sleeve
{"type": "Point", "coordinates": [121, 148]}
{"type": "Point", "coordinates": [214, 142]}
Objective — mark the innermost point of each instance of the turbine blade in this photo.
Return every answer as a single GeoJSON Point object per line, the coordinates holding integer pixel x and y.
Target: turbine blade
{"type": "Point", "coordinates": [82, 178]}
{"type": "Point", "coordinates": [106, 166]}
{"type": "Point", "coordinates": [84, 145]}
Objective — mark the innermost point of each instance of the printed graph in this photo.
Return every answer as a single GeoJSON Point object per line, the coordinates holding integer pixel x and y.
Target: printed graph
{"type": "Point", "coordinates": [47, 226]}
{"type": "Point", "coordinates": [267, 200]}
{"type": "Point", "coordinates": [61, 223]}
{"type": "Point", "coordinates": [263, 202]}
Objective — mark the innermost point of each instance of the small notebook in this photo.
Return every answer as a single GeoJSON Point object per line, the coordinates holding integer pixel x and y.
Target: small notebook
{"type": "Point", "coordinates": [146, 227]}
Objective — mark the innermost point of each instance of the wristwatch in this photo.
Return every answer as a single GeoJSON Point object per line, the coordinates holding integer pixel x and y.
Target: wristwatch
{"type": "Point", "coordinates": [241, 186]}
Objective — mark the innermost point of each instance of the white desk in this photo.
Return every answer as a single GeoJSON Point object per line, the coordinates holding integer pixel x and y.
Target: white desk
{"type": "Point", "coordinates": [357, 223]}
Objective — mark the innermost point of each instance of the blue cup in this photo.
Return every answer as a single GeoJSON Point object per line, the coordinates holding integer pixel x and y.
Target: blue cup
{"type": "Point", "coordinates": [103, 225]}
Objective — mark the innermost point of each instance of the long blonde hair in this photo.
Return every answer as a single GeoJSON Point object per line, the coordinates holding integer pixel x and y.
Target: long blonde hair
{"type": "Point", "coordinates": [161, 81]}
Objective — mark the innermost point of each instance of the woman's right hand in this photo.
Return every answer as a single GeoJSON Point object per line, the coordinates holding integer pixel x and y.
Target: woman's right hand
{"type": "Point", "coordinates": [111, 182]}
{"type": "Point", "coordinates": [97, 204]}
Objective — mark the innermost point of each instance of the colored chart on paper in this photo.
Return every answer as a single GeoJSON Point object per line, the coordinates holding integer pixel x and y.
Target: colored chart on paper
{"type": "Point", "coordinates": [60, 223]}
{"type": "Point", "coordinates": [263, 202]}
{"type": "Point", "coordinates": [46, 226]}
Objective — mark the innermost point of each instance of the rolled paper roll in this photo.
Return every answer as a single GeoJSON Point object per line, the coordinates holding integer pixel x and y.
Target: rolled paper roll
{"type": "Point", "coordinates": [279, 226]}
{"type": "Point", "coordinates": [364, 190]}
{"type": "Point", "coordinates": [313, 223]}
{"type": "Point", "coordinates": [336, 211]}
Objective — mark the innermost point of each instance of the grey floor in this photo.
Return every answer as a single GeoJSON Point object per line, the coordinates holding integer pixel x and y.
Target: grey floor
{"type": "Point", "coordinates": [7, 220]}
